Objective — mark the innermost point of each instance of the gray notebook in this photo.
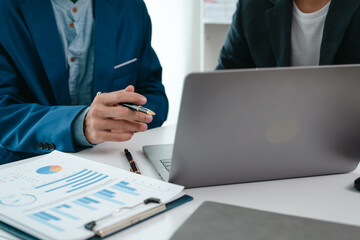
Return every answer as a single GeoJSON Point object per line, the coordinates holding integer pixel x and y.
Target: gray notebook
{"type": "Point", "coordinates": [221, 221]}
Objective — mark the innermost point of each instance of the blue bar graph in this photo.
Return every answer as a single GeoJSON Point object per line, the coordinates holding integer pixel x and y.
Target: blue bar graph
{"type": "Point", "coordinates": [123, 187]}
{"type": "Point", "coordinates": [86, 202]}
{"type": "Point", "coordinates": [97, 180]}
{"type": "Point", "coordinates": [49, 216]}
{"type": "Point", "coordinates": [71, 183]}
{"type": "Point", "coordinates": [77, 177]}
{"type": "Point", "coordinates": [124, 183]}
{"type": "Point", "coordinates": [106, 194]}
{"type": "Point", "coordinates": [41, 216]}
{"type": "Point", "coordinates": [83, 178]}
{"type": "Point", "coordinates": [45, 219]}
{"type": "Point", "coordinates": [47, 184]}
{"type": "Point", "coordinates": [91, 200]}
{"type": "Point", "coordinates": [60, 211]}
{"type": "Point", "coordinates": [84, 205]}
{"type": "Point", "coordinates": [103, 194]}
{"type": "Point", "coordinates": [107, 191]}
{"type": "Point", "coordinates": [88, 180]}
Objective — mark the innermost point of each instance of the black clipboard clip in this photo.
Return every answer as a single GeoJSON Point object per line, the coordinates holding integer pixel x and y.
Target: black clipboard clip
{"type": "Point", "coordinates": [103, 232]}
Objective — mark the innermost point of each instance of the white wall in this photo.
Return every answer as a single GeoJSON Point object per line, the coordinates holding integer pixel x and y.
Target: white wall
{"type": "Point", "coordinates": [176, 40]}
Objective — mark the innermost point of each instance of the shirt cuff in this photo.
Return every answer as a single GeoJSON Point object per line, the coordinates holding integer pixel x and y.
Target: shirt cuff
{"type": "Point", "coordinates": [77, 128]}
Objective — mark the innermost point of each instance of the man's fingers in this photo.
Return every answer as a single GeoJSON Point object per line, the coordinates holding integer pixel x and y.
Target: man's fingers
{"type": "Point", "coordinates": [101, 111]}
{"type": "Point", "coordinates": [95, 132]}
{"type": "Point", "coordinates": [114, 98]}
{"type": "Point", "coordinates": [112, 124]}
{"type": "Point", "coordinates": [119, 112]}
{"type": "Point", "coordinates": [103, 136]}
{"type": "Point", "coordinates": [130, 88]}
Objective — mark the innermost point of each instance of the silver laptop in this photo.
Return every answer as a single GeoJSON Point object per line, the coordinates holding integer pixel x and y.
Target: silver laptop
{"type": "Point", "coordinates": [262, 124]}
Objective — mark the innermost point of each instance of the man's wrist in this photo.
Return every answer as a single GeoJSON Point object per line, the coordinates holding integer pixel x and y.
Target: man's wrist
{"type": "Point", "coordinates": [77, 129]}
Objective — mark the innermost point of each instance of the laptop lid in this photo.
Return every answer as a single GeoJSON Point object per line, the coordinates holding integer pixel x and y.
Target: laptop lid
{"type": "Point", "coordinates": [263, 124]}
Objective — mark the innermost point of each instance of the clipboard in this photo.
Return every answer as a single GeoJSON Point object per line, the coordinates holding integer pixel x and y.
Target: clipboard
{"type": "Point", "coordinates": [164, 208]}
{"type": "Point", "coordinates": [61, 193]}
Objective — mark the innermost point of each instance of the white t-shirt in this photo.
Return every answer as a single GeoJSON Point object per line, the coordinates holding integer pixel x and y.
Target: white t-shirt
{"type": "Point", "coordinates": [306, 35]}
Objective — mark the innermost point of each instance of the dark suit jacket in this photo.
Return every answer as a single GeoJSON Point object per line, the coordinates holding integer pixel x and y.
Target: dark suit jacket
{"type": "Point", "coordinates": [260, 35]}
{"type": "Point", "coordinates": [34, 93]}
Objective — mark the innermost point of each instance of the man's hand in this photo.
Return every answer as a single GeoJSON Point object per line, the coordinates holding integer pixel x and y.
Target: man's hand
{"type": "Point", "coordinates": [106, 120]}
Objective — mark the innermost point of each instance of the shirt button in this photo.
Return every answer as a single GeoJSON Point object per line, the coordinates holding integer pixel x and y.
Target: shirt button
{"type": "Point", "coordinates": [71, 25]}
{"type": "Point", "coordinates": [74, 10]}
{"type": "Point", "coordinates": [73, 59]}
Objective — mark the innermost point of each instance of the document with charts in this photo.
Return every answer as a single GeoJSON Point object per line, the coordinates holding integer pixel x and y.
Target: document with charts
{"type": "Point", "coordinates": [54, 196]}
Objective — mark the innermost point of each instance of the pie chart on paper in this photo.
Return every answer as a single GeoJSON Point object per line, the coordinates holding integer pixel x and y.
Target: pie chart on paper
{"type": "Point", "coordinates": [49, 169]}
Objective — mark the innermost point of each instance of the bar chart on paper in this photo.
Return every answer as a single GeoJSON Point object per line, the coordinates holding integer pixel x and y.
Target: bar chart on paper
{"type": "Point", "coordinates": [74, 182]}
{"type": "Point", "coordinates": [92, 204]}
{"type": "Point", "coordinates": [62, 196]}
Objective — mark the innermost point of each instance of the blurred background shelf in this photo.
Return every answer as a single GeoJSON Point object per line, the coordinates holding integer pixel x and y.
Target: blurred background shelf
{"type": "Point", "coordinates": [187, 37]}
{"type": "Point", "coordinates": [216, 17]}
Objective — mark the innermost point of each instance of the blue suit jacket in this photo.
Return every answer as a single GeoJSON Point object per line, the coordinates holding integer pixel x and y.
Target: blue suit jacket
{"type": "Point", "coordinates": [34, 93]}
{"type": "Point", "coordinates": [260, 35]}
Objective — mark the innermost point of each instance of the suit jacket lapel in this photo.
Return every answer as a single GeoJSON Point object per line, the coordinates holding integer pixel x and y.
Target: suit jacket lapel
{"type": "Point", "coordinates": [39, 17]}
{"type": "Point", "coordinates": [338, 18]}
{"type": "Point", "coordinates": [105, 45]}
{"type": "Point", "coordinates": [279, 20]}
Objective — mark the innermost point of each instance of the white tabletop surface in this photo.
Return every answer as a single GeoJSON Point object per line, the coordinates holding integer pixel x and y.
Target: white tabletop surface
{"type": "Point", "coordinates": [330, 198]}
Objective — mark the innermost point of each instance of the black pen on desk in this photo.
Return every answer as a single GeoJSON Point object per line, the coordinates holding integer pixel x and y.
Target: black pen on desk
{"type": "Point", "coordinates": [138, 108]}
{"type": "Point", "coordinates": [133, 165]}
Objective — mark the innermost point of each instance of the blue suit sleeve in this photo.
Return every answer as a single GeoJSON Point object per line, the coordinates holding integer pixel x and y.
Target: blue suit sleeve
{"type": "Point", "coordinates": [28, 124]}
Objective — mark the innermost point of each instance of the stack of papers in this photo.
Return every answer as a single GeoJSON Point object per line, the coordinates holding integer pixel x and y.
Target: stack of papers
{"type": "Point", "coordinates": [54, 196]}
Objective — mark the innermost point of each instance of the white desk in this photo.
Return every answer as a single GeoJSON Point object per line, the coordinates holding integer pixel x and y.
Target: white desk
{"type": "Point", "coordinates": [331, 198]}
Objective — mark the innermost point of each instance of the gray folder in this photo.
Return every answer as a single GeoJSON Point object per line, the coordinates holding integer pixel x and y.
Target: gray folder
{"type": "Point", "coordinates": [221, 221]}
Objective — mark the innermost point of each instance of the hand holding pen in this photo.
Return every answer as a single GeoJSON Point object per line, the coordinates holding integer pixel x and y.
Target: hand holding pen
{"type": "Point", "coordinates": [106, 120]}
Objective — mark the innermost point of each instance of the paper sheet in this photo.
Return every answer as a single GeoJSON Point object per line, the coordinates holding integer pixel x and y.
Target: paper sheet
{"type": "Point", "coordinates": [54, 196]}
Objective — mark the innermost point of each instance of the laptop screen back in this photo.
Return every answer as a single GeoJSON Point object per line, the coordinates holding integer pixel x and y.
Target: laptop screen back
{"type": "Point", "coordinates": [253, 125]}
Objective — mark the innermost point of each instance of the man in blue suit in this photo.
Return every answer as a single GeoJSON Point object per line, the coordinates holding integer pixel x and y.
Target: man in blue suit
{"type": "Point", "coordinates": [275, 33]}
{"type": "Point", "coordinates": [56, 55]}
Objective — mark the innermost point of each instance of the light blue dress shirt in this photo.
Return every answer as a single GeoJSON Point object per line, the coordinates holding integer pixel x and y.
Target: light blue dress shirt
{"type": "Point", "coordinates": [76, 28]}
